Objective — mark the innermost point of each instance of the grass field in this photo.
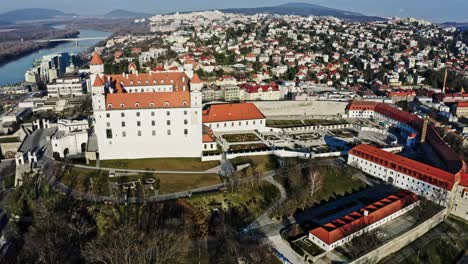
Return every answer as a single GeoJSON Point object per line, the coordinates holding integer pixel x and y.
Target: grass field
{"type": "Point", "coordinates": [337, 182]}
{"type": "Point", "coordinates": [166, 164]}
{"type": "Point", "coordinates": [96, 181]}
{"type": "Point", "coordinates": [183, 182]}
{"type": "Point", "coordinates": [254, 199]}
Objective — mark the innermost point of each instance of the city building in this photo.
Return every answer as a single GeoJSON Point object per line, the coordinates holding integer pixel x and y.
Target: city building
{"type": "Point", "coordinates": [269, 92]}
{"type": "Point", "coordinates": [342, 230]}
{"type": "Point", "coordinates": [428, 181]}
{"type": "Point", "coordinates": [69, 85]}
{"type": "Point", "coordinates": [461, 109]}
{"type": "Point", "coordinates": [444, 184]}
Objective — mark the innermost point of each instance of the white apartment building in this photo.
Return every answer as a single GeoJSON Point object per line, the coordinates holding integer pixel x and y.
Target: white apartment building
{"type": "Point", "coordinates": [67, 86]}
{"type": "Point", "coordinates": [430, 182]}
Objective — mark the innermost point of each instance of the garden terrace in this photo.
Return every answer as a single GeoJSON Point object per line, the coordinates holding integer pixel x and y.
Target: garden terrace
{"type": "Point", "coordinates": [240, 137]}
{"type": "Point", "coordinates": [248, 147]}
{"type": "Point", "coordinates": [284, 123]}
{"type": "Point", "coordinates": [324, 122]}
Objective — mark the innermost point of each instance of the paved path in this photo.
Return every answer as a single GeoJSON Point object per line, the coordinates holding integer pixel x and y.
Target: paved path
{"type": "Point", "coordinates": [265, 218]}
{"type": "Point", "coordinates": [284, 249]}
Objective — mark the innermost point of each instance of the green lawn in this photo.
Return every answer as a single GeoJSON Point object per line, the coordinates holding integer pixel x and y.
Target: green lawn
{"type": "Point", "coordinates": [178, 164]}
{"type": "Point", "coordinates": [337, 182]}
{"type": "Point", "coordinates": [254, 199]}
{"type": "Point", "coordinates": [258, 163]}
{"type": "Point", "coordinates": [81, 179]}
{"type": "Point", "coordinates": [183, 182]}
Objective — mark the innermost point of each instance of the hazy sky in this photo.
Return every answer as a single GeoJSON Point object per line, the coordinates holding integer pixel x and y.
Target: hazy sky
{"type": "Point", "coordinates": [434, 10]}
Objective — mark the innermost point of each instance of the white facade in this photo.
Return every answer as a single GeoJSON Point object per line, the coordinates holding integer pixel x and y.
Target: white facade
{"type": "Point", "coordinates": [71, 138]}
{"type": "Point", "coordinates": [149, 133]}
{"type": "Point", "coordinates": [238, 125]}
{"type": "Point", "coordinates": [400, 180]}
{"type": "Point", "coordinates": [460, 206]}
{"type": "Point", "coordinates": [66, 86]}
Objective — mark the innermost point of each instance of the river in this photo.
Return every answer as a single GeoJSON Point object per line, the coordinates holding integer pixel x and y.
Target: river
{"type": "Point", "coordinates": [13, 71]}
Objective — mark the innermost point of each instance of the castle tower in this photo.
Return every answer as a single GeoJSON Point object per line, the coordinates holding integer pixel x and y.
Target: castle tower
{"type": "Point", "coordinates": [96, 66]}
{"type": "Point", "coordinates": [196, 83]}
{"type": "Point", "coordinates": [98, 85]}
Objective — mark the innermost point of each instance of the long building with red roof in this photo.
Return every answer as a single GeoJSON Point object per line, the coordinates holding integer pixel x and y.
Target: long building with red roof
{"type": "Point", "coordinates": [447, 185]}
{"type": "Point", "coordinates": [234, 117]}
{"type": "Point", "coordinates": [344, 229]}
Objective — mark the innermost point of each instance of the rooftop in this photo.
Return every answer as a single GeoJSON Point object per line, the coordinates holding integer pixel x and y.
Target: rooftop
{"type": "Point", "coordinates": [231, 112]}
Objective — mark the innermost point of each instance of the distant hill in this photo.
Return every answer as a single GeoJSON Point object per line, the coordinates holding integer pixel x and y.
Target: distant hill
{"type": "Point", "coordinates": [32, 14]}
{"type": "Point", "coordinates": [4, 23]}
{"type": "Point", "coordinates": [119, 13]}
{"type": "Point", "coordinates": [459, 25]}
{"type": "Point", "coordinates": [304, 9]}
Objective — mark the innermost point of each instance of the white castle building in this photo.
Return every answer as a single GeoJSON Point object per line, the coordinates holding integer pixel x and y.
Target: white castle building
{"type": "Point", "coordinates": [159, 115]}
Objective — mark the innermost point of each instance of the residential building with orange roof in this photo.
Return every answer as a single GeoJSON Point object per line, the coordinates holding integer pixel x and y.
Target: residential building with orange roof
{"type": "Point", "coordinates": [342, 230]}
{"type": "Point", "coordinates": [234, 117]}
{"type": "Point", "coordinates": [461, 109]}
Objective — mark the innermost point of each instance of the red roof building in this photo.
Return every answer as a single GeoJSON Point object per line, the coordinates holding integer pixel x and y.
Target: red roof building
{"type": "Point", "coordinates": [231, 112]}
{"type": "Point", "coordinates": [330, 235]}
{"type": "Point", "coordinates": [403, 165]}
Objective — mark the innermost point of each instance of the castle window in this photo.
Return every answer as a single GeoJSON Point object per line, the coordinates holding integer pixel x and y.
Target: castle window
{"type": "Point", "coordinates": [152, 105]}
{"type": "Point", "coordinates": [166, 104]}
{"type": "Point", "coordinates": [109, 106]}
{"type": "Point", "coordinates": [147, 82]}
{"type": "Point", "coordinates": [184, 103]}
{"type": "Point", "coordinates": [122, 105]}
{"type": "Point", "coordinates": [139, 83]}
{"type": "Point", "coordinates": [154, 82]}
{"type": "Point", "coordinates": [137, 104]}
{"type": "Point", "coordinates": [131, 83]}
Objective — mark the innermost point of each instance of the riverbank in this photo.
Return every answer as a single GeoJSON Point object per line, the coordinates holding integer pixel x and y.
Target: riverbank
{"type": "Point", "coordinates": [14, 70]}
{"type": "Point", "coordinates": [16, 49]}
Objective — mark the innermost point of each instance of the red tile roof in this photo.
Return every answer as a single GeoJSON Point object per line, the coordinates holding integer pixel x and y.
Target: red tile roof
{"type": "Point", "coordinates": [98, 82]}
{"type": "Point", "coordinates": [231, 112]}
{"type": "Point", "coordinates": [412, 168]}
{"type": "Point", "coordinates": [96, 59]}
{"type": "Point", "coordinates": [256, 88]}
{"type": "Point", "coordinates": [147, 100]}
{"type": "Point", "coordinates": [353, 222]}
{"type": "Point", "coordinates": [207, 135]}
{"type": "Point", "coordinates": [464, 179]}
{"type": "Point", "coordinates": [361, 105]}
{"type": "Point", "coordinates": [462, 104]}
{"type": "Point", "coordinates": [195, 79]}
{"type": "Point", "coordinates": [178, 79]}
